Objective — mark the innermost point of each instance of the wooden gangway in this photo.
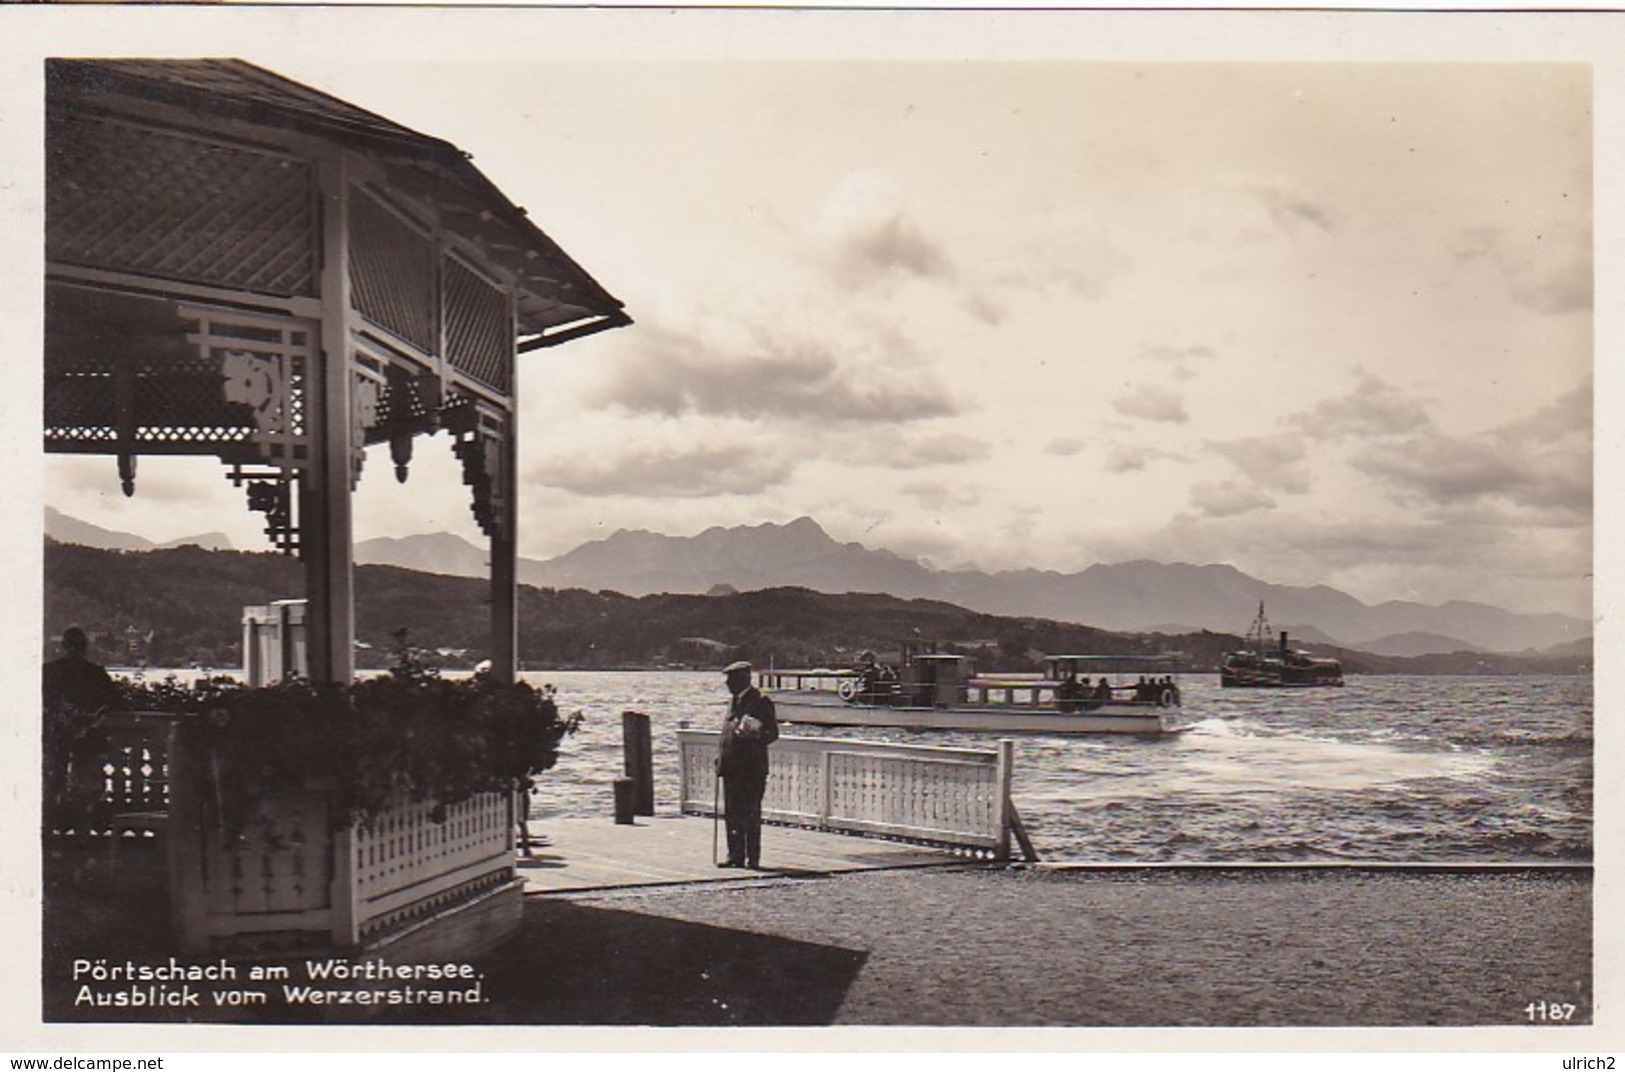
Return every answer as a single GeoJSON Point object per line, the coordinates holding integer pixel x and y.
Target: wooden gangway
{"type": "Point", "coordinates": [832, 806]}
{"type": "Point", "coordinates": [956, 798]}
{"type": "Point", "coordinates": [577, 855]}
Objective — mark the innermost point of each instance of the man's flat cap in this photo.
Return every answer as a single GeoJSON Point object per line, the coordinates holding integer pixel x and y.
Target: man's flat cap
{"type": "Point", "coordinates": [734, 668]}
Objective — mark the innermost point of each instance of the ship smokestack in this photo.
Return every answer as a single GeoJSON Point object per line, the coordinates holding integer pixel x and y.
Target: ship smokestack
{"type": "Point", "coordinates": [1283, 642]}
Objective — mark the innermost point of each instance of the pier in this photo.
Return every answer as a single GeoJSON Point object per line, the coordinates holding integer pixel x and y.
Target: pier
{"type": "Point", "coordinates": [911, 805]}
{"type": "Point", "coordinates": [572, 856]}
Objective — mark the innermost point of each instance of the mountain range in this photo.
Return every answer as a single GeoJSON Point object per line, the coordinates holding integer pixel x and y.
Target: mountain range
{"type": "Point", "coordinates": [1139, 596]}
{"type": "Point", "coordinates": [184, 607]}
{"type": "Point", "coordinates": [61, 527]}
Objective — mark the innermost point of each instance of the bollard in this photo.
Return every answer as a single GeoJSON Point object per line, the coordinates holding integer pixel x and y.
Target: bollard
{"type": "Point", "coordinates": [624, 790]}
{"type": "Point", "coordinates": [638, 748]}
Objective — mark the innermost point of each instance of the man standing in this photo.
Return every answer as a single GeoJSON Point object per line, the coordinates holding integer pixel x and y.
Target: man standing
{"type": "Point", "coordinates": [75, 691]}
{"type": "Point", "coordinates": [750, 727]}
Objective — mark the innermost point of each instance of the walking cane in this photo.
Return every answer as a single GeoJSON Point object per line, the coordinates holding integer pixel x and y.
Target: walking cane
{"type": "Point", "coordinates": [716, 815]}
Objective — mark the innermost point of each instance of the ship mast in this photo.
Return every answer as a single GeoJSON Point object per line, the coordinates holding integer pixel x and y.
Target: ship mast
{"type": "Point", "coordinates": [1260, 633]}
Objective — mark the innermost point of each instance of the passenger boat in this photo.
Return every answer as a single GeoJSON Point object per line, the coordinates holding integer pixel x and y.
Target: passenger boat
{"type": "Point", "coordinates": [933, 691]}
{"type": "Point", "coordinates": [1268, 664]}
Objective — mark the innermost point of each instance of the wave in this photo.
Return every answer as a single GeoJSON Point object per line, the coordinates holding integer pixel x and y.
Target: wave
{"type": "Point", "coordinates": [1517, 738]}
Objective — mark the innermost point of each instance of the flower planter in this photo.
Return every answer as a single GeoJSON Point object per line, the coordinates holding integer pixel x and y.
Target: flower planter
{"type": "Point", "coordinates": [288, 878]}
{"type": "Point", "coordinates": [301, 817]}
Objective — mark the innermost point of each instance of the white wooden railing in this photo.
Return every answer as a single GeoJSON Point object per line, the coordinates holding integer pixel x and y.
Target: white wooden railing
{"type": "Point", "coordinates": [289, 872]}
{"type": "Point", "coordinates": [408, 866]}
{"type": "Point", "coordinates": [953, 797]}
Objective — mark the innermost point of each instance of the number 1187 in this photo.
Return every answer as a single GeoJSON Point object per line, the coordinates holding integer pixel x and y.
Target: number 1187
{"type": "Point", "coordinates": [1549, 1011]}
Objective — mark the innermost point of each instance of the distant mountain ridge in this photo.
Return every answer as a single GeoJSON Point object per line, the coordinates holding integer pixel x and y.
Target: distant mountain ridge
{"type": "Point", "coordinates": [61, 527]}
{"type": "Point", "coordinates": [185, 604]}
{"type": "Point", "coordinates": [1140, 596]}
{"type": "Point", "coordinates": [435, 552]}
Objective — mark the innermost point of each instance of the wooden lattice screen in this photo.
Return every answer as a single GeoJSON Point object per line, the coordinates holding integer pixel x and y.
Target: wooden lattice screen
{"type": "Point", "coordinates": [479, 327]}
{"type": "Point", "coordinates": [392, 263]}
{"type": "Point", "coordinates": [211, 212]}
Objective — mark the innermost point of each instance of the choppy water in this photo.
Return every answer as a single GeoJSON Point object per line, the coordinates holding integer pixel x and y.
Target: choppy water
{"type": "Point", "coordinates": [1407, 769]}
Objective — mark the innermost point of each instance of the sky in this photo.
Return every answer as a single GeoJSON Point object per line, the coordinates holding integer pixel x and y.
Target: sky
{"type": "Point", "coordinates": [1329, 323]}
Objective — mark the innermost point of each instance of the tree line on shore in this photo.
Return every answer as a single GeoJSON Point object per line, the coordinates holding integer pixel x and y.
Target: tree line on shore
{"type": "Point", "coordinates": [183, 607]}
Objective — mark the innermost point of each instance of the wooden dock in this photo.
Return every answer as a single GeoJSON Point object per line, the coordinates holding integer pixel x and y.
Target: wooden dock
{"type": "Point", "coordinates": [576, 855]}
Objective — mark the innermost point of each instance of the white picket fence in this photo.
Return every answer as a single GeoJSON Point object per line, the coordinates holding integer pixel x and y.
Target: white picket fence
{"type": "Point", "coordinates": [951, 797]}
{"type": "Point", "coordinates": [290, 871]}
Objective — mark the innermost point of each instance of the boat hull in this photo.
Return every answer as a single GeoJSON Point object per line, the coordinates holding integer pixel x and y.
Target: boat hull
{"type": "Point", "coordinates": [826, 710]}
{"type": "Point", "coordinates": [1274, 678]}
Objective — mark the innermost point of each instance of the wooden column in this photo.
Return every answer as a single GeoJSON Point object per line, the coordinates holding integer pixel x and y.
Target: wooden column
{"type": "Point", "coordinates": [637, 751]}
{"type": "Point", "coordinates": [343, 893]}
{"type": "Point", "coordinates": [1003, 778]}
{"type": "Point", "coordinates": [325, 518]}
{"type": "Point", "coordinates": [505, 539]}
{"type": "Point", "coordinates": [183, 847]}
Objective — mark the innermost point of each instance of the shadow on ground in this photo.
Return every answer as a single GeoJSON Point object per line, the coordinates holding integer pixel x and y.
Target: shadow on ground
{"type": "Point", "coordinates": [572, 964]}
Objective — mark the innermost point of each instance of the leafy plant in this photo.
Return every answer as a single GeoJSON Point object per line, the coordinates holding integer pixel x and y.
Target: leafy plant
{"type": "Point", "coordinates": [407, 731]}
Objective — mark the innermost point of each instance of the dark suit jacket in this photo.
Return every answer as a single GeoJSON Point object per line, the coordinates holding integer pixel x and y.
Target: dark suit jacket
{"type": "Point", "coordinates": [743, 754]}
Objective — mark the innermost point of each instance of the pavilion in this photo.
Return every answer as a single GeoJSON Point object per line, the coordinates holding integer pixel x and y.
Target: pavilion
{"type": "Point", "coordinates": [244, 267]}
{"type": "Point", "coordinates": [240, 266]}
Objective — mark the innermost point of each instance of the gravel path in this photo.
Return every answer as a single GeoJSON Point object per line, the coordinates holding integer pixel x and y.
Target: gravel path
{"type": "Point", "coordinates": [1144, 949]}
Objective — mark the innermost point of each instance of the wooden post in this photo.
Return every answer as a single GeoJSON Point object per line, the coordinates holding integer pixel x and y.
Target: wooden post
{"type": "Point", "coordinates": [325, 520]}
{"type": "Point", "coordinates": [827, 794]}
{"type": "Point", "coordinates": [183, 837]}
{"type": "Point", "coordinates": [638, 749]}
{"type": "Point", "coordinates": [505, 534]}
{"type": "Point", "coordinates": [1006, 770]}
{"type": "Point", "coordinates": [624, 791]}
{"type": "Point", "coordinates": [505, 557]}
{"type": "Point", "coordinates": [683, 798]}
{"type": "Point", "coordinates": [346, 913]}
{"type": "Point", "coordinates": [1028, 853]}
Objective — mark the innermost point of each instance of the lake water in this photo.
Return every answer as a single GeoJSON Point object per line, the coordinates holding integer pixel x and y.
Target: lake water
{"type": "Point", "coordinates": [1403, 769]}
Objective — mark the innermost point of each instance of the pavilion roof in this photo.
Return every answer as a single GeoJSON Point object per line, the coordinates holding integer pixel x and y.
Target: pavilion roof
{"type": "Point", "coordinates": [558, 299]}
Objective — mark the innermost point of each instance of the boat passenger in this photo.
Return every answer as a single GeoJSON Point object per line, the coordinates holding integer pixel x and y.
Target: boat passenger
{"type": "Point", "coordinates": [868, 675]}
{"type": "Point", "coordinates": [1069, 694]}
{"type": "Point", "coordinates": [1103, 691]}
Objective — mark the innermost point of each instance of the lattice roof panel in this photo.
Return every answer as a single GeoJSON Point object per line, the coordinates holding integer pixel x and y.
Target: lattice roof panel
{"type": "Point", "coordinates": [558, 298]}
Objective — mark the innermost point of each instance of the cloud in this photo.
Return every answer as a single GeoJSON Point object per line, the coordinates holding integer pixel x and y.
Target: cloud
{"type": "Point", "coordinates": [1180, 361]}
{"type": "Point", "coordinates": [870, 235]}
{"type": "Point", "coordinates": [984, 307]}
{"type": "Point", "coordinates": [903, 451]}
{"type": "Point", "coordinates": [942, 495]}
{"type": "Point", "coordinates": [1567, 419]}
{"type": "Point", "coordinates": [1275, 462]}
{"type": "Point", "coordinates": [676, 372]}
{"type": "Point", "coordinates": [1065, 447]}
{"type": "Point", "coordinates": [1134, 457]}
{"type": "Point", "coordinates": [1151, 402]}
{"type": "Point", "coordinates": [684, 470]}
{"type": "Point", "coordinates": [1540, 464]}
{"type": "Point", "coordinates": [1068, 258]}
{"type": "Point", "coordinates": [1373, 408]}
{"type": "Point", "coordinates": [1228, 498]}
{"type": "Point", "coordinates": [1547, 268]}
{"type": "Point", "coordinates": [1289, 208]}
{"type": "Point", "coordinates": [177, 481]}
